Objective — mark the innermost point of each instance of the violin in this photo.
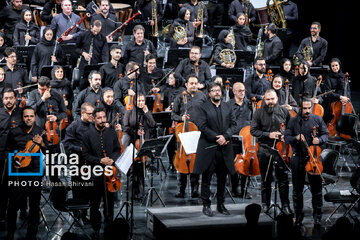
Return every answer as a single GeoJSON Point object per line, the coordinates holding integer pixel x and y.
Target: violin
{"type": "Point", "coordinates": [139, 142]}
{"type": "Point", "coordinates": [129, 100]}
{"type": "Point", "coordinates": [316, 108]}
{"type": "Point", "coordinates": [314, 165]}
{"type": "Point", "coordinates": [30, 147]}
{"type": "Point", "coordinates": [68, 112]}
{"type": "Point", "coordinates": [338, 109]}
{"type": "Point", "coordinates": [269, 75]}
{"type": "Point", "coordinates": [119, 132]}
{"type": "Point", "coordinates": [182, 162]}
{"type": "Point", "coordinates": [248, 164]}
{"type": "Point", "coordinates": [51, 127]}
{"type": "Point", "coordinates": [284, 149]}
{"type": "Point", "coordinates": [21, 99]}
{"type": "Point", "coordinates": [113, 183]}
{"type": "Point", "coordinates": [296, 72]}
{"type": "Point", "coordinates": [158, 106]}
{"type": "Point", "coordinates": [287, 94]}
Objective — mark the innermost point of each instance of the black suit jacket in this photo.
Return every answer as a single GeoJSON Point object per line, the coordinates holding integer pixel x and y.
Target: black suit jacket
{"type": "Point", "coordinates": [207, 124]}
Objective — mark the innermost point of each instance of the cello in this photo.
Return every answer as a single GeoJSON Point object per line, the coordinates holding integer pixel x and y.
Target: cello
{"type": "Point", "coordinates": [287, 94]}
{"type": "Point", "coordinates": [314, 165]}
{"type": "Point", "coordinates": [182, 162]}
{"type": "Point", "coordinates": [248, 164]}
{"type": "Point", "coordinates": [338, 109]}
{"type": "Point", "coordinates": [51, 127]}
{"type": "Point", "coordinates": [158, 106]}
{"type": "Point", "coordinates": [284, 149]}
{"type": "Point", "coordinates": [316, 108]}
{"type": "Point", "coordinates": [129, 100]}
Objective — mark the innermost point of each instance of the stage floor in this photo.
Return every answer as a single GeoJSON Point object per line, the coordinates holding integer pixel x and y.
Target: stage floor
{"type": "Point", "coordinates": [183, 212]}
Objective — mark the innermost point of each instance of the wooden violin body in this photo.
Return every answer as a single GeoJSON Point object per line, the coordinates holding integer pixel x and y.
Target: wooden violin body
{"type": "Point", "coordinates": [51, 127]}
{"type": "Point", "coordinates": [129, 100]}
{"type": "Point", "coordinates": [314, 165]}
{"type": "Point", "coordinates": [158, 106]}
{"type": "Point", "coordinates": [284, 149]}
{"type": "Point", "coordinates": [113, 183]}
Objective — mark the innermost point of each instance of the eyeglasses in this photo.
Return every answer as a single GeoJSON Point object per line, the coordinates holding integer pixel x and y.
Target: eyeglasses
{"type": "Point", "coordinates": [215, 90]}
{"type": "Point", "coordinates": [88, 113]}
{"type": "Point", "coordinates": [261, 64]}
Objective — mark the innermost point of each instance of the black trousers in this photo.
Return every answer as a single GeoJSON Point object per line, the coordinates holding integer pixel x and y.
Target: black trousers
{"type": "Point", "coordinates": [216, 14]}
{"type": "Point", "coordinates": [266, 180]}
{"type": "Point", "coordinates": [298, 179]}
{"type": "Point", "coordinates": [217, 166]}
{"type": "Point", "coordinates": [194, 181]}
{"type": "Point", "coordinates": [17, 195]}
{"type": "Point", "coordinates": [97, 193]}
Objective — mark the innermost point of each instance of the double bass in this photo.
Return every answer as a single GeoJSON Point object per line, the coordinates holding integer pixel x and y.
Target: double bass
{"type": "Point", "coordinates": [248, 164]}
{"type": "Point", "coordinates": [338, 109]}
{"type": "Point", "coordinates": [182, 162]}
{"type": "Point", "coordinates": [316, 108]}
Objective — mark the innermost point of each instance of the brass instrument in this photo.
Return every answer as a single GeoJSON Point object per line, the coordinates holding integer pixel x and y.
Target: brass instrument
{"type": "Point", "coordinates": [307, 53]}
{"type": "Point", "coordinates": [53, 11]}
{"type": "Point", "coordinates": [146, 50]}
{"type": "Point", "coordinates": [155, 29]}
{"type": "Point", "coordinates": [94, 7]}
{"type": "Point", "coordinates": [200, 16]}
{"type": "Point", "coordinates": [166, 30]}
{"type": "Point", "coordinates": [259, 51]}
{"type": "Point", "coordinates": [247, 5]}
{"type": "Point", "coordinates": [228, 56]}
{"type": "Point", "coordinates": [232, 42]}
{"type": "Point", "coordinates": [276, 13]}
{"type": "Point", "coordinates": [91, 49]}
{"type": "Point", "coordinates": [179, 33]}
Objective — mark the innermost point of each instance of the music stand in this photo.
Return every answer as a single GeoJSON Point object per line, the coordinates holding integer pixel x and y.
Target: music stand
{"type": "Point", "coordinates": [71, 56]}
{"type": "Point", "coordinates": [24, 54]}
{"type": "Point", "coordinates": [316, 71]}
{"type": "Point", "coordinates": [244, 58]}
{"type": "Point", "coordinates": [232, 74]}
{"type": "Point", "coordinates": [46, 71]}
{"type": "Point", "coordinates": [278, 161]}
{"type": "Point", "coordinates": [174, 56]}
{"type": "Point", "coordinates": [163, 120]}
{"type": "Point", "coordinates": [154, 148]}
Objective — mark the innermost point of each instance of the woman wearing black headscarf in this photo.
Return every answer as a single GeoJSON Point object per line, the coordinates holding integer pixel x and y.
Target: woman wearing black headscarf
{"type": "Point", "coordinates": [183, 21]}
{"type": "Point", "coordinates": [3, 45]}
{"type": "Point", "coordinates": [242, 33]}
{"type": "Point", "coordinates": [43, 53]}
{"type": "Point", "coordinates": [61, 84]}
{"type": "Point", "coordinates": [304, 84]}
{"type": "Point", "coordinates": [26, 31]}
{"type": "Point", "coordinates": [285, 70]}
{"type": "Point", "coordinates": [223, 42]}
{"type": "Point", "coordinates": [334, 80]}
{"type": "Point", "coordinates": [114, 109]}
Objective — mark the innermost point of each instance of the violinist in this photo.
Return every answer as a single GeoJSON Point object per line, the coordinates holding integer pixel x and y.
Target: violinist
{"type": "Point", "coordinates": [265, 126]}
{"type": "Point", "coordinates": [61, 84]}
{"type": "Point", "coordinates": [194, 65]}
{"type": "Point", "coordinates": [214, 154]}
{"type": "Point", "coordinates": [73, 143]}
{"type": "Point", "coordinates": [304, 84]}
{"type": "Point", "coordinates": [299, 130]}
{"type": "Point", "coordinates": [194, 100]}
{"type": "Point", "coordinates": [257, 83]}
{"type": "Point", "coordinates": [334, 80]}
{"type": "Point", "coordinates": [10, 116]}
{"type": "Point", "coordinates": [40, 100]}
{"type": "Point", "coordinates": [13, 73]}
{"type": "Point", "coordinates": [100, 147]}
{"type": "Point", "coordinates": [241, 107]}
{"type": "Point", "coordinates": [139, 115]}
{"type": "Point", "coordinates": [171, 90]}
{"type": "Point", "coordinates": [91, 94]}
{"type": "Point", "coordinates": [278, 85]}
{"type": "Point", "coordinates": [286, 71]}
{"type": "Point", "coordinates": [113, 108]}
{"type": "Point", "coordinates": [112, 71]}
{"type": "Point", "coordinates": [17, 140]}
{"type": "Point", "coordinates": [151, 72]}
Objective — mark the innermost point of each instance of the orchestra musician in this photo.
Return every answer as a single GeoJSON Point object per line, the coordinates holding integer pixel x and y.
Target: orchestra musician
{"type": "Point", "coordinates": [50, 10]}
{"type": "Point", "coordinates": [3, 46]}
{"type": "Point", "coordinates": [291, 14]}
{"type": "Point", "coordinates": [171, 90]}
{"type": "Point", "coordinates": [94, 8]}
{"type": "Point", "coordinates": [138, 124]}
{"type": "Point", "coordinates": [73, 143]}
{"type": "Point", "coordinates": [62, 22]}
{"type": "Point", "coordinates": [180, 113]}
{"type": "Point", "coordinates": [304, 84]}
{"type": "Point", "coordinates": [240, 6]}
{"type": "Point", "coordinates": [17, 140]}
{"type": "Point", "coordinates": [257, 83]}
{"type": "Point", "coordinates": [242, 33]}
{"type": "Point", "coordinates": [62, 85]}
{"type": "Point", "coordinates": [10, 116]}
{"type": "Point", "coordinates": [112, 71]}
{"type": "Point", "coordinates": [214, 154]}
{"type": "Point", "coordinates": [278, 85]}
{"type": "Point", "coordinates": [91, 94]}
{"type": "Point", "coordinates": [14, 75]}
{"type": "Point", "coordinates": [151, 72]}
{"type": "Point", "coordinates": [100, 147]}
{"type": "Point", "coordinates": [286, 72]}
{"type": "Point", "coordinates": [145, 7]}
{"type": "Point", "coordinates": [265, 126]}
{"type": "Point", "coordinates": [223, 42]}
{"type": "Point", "coordinates": [114, 109]}
{"type": "Point", "coordinates": [193, 6]}
{"type": "Point", "coordinates": [26, 32]}
{"type": "Point", "coordinates": [273, 45]}
{"type": "Point", "coordinates": [194, 65]}
{"type": "Point", "coordinates": [299, 130]}
{"type": "Point", "coordinates": [241, 107]}
{"type": "Point", "coordinates": [182, 29]}
{"type": "Point", "coordinates": [43, 53]}
{"type": "Point", "coordinates": [138, 49]}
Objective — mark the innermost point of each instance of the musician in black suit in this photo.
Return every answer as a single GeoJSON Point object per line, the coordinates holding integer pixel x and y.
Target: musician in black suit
{"type": "Point", "coordinates": [214, 152]}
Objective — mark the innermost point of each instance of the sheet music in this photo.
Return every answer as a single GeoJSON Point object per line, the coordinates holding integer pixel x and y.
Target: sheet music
{"type": "Point", "coordinates": [189, 141]}
{"type": "Point", "coordinates": [123, 163]}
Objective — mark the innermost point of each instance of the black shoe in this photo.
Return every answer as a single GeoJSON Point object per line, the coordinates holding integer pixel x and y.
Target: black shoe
{"type": "Point", "coordinates": [180, 195]}
{"type": "Point", "coordinates": [287, 210]}
{"type": "Point", "coordinates": [195, 194]}
{"type": "Point", "coordinates": [247, 196]}
{"type": "Point", "coordinates": [23, 215]}
{"type": "Point", "coordinates": [207, 211]}
{"type": "Point", "coordinates": [222, 209]}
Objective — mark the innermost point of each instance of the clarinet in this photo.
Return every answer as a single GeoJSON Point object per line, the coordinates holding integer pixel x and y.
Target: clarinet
{"type": "Point", "coordinates": [91, 49]}
{"type": "Point", "coordinates": [27, 33]}
{"type": "Point", "coordinates": [146, 49]}
{"type": "Point", "coordinates": [54, 51]}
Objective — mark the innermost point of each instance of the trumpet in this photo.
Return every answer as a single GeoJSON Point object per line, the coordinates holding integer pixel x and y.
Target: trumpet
{"type": "Point", "coordinates": [154, 18]}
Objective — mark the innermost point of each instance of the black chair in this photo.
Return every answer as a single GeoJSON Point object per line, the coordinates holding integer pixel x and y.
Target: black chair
{"type": "Point", "coordinates": [347, 125]}
{"type": "Point", "coordinates": [329, 159]}
{"type": "Point", "coordinates": [63, 204]}
{"type": "Point", "coordinates": [346, 198]}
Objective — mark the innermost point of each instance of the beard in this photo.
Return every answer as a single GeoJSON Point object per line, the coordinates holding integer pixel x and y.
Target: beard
{"type": "Point", "coordinates": [269, 108]}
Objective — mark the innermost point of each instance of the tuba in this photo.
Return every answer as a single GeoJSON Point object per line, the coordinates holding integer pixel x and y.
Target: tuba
{"type": "Point", "coordinates": [200, 17]}
{"type": "Point", "coordinates": [154, 18]}
{"type": "Point", "coordinates": [179, 33]}
{"type": "Point", "coordinates": [276, 13]}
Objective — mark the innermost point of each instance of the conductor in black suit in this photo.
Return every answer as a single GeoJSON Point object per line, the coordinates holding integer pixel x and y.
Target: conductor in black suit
{"type": "Point", "coordinates": [214, 153]}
